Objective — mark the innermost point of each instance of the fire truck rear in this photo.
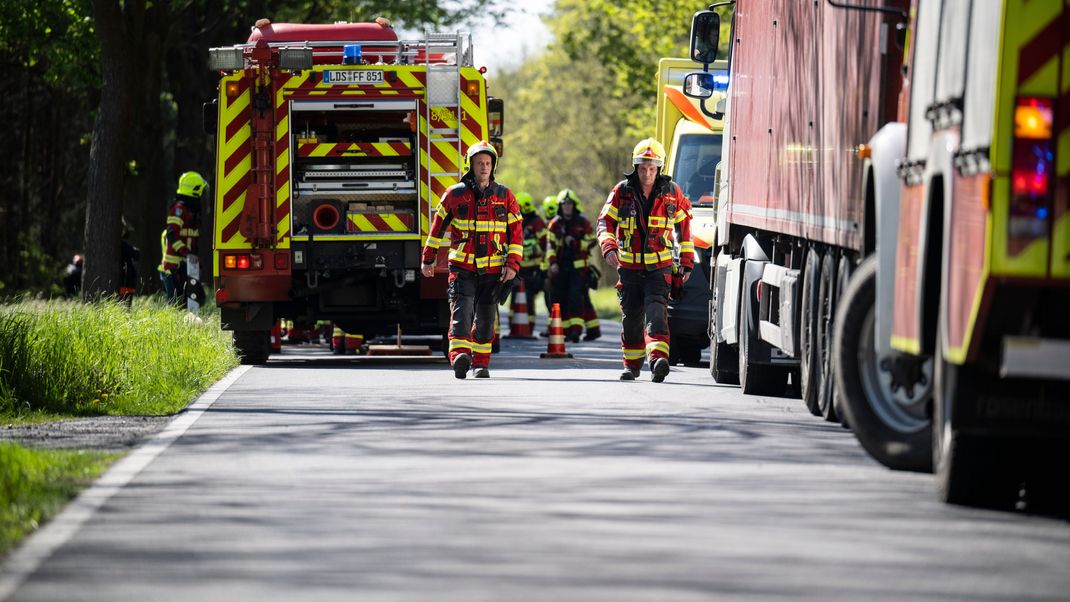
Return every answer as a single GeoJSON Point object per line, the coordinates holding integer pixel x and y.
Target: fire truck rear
{"type": "Point", "coordinates": [334, 145]}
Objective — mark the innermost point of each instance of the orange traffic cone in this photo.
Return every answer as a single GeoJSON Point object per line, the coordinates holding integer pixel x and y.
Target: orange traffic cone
{"type": "Point", "coordinates": [519, 326]}
{"type": "Point", "coordinates": [555, 344]}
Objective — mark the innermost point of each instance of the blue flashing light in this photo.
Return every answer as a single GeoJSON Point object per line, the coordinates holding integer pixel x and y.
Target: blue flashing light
{"type": "Point", "coordinates": [351, 55]}
{"type": "Point", "coordinates": [720, 79]}
{"type": "Point", "coordinates": [1042, 213]}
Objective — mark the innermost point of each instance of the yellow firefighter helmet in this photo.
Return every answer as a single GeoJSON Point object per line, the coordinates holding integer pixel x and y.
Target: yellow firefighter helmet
{"type": "Point", "coordinates": [549, 206]}
{"type": "Point", "coordinates": [568, 195]}
{"type": "Point", "coordinates": [650, 150]}
{"type": "Point", "coordinates": [527, 204]}
{"type": "Point", "coordinates": [191, 184]}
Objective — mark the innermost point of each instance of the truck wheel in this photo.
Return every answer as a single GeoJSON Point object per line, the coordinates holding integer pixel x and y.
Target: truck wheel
{"type": "Point", "coordinates": [809, 372]}
{"type": "Point", "coordinates": [756, 379]}
{"type": "Point", "coordinates": [971, 470]}
{"type": "Point", "coordinates": [254, 346]}
{"type": "Point", "coordinates": [890, 422]}
{"type": "Point", "coordinates": [843, 278]}
{"type": "Point", "coordinates": [826, 304]}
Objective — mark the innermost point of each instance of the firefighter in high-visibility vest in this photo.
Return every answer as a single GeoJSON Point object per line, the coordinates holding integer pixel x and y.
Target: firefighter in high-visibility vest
{"type": "Point", "coordinates": [636, 227]}
{"type": "Point", "coordinates": [479, 219]}
{"type": "Point", "coordinates": [549, 212]}
{"type": "Point", "coordinates": [179, 237]}
{"type": "Point", "coordinates": [531, 266]}
{"type": "Point", "coordinates": [569, 252]}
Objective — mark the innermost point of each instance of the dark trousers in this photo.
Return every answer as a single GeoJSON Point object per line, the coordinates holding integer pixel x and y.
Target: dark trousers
{"type": "Point", "coordinates": [473, 314]}
{"type": "Point", "coordinates": [570, 291]}
{"type": "Point", "coordinates": [644, 303]}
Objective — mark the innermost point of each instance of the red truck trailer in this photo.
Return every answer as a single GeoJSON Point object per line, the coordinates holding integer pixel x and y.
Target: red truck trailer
{"type": "Point", "coordinates": [811, 84]}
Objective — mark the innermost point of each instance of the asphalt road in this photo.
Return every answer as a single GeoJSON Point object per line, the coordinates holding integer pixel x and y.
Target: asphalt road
{"type": "Point", "coordinates": [313, 479]}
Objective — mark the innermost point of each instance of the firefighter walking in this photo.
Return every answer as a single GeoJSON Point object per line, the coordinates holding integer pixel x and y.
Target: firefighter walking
{"type": "Point", "coordinates": [636, 227]}
{"type": "Point", "coordinates": [485, 238]}
{"type": "Point", "coordinates": [179, 237]}
{"type": "Point", "coordinates": [569, 253]}
{"type": "Point", "coordinates": [531, 265]}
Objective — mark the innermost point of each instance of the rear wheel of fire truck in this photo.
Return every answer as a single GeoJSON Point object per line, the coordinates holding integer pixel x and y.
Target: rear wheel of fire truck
{"type": "Point", "coordinates": [756, 379]}
{"type": "Point", "coordinates": [971, 469]}
{"type": "Point", "coordinates": [809, 362]}
{"type": "Point", "coordinates": [826, 312]}
{"type": "Point", "coordinates": [888, 415]}
{"type": "Point", "coordinates": [724, 361]}
{"type": "Point", "coordinates": [254, 346]}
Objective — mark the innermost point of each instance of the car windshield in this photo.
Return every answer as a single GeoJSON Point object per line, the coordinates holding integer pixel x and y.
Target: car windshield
{"type": "Point", "coordinates": [696, 162]}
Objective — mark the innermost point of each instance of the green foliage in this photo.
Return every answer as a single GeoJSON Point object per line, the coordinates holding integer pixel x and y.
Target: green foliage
{"type": "Point", "coordinates": [606, 303]}
{"type": "Point", "coordinates": [34, 485]}
{"type": "Point", "coordinates": [66, 357]}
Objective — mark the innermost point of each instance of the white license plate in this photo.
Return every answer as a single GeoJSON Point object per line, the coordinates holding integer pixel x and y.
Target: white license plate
{"type": "Point", "coordinates": [353, 76]}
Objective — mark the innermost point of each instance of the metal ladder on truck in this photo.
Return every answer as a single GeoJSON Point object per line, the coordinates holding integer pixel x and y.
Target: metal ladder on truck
{"type": "Point", "coordinates": [442, 93]}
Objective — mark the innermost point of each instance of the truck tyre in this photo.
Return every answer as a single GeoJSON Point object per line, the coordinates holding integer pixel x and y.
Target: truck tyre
{"type": "Point", "coordinates": [254, 346]}
{"type": "Point", "coordinates": [756, 379]}
{"type": "Point", "coordinates": [809, 366]}
{"type": "Point", "coordinates": [895, 433]}
{"type": "Point", "coordinates": [724, 360]}
{"type": "Point", "coordinates": [843, 278]}
{"type": "Point", "coordinates": [826, 303]}
{"type": "Point", "coordinates": [971, 469]}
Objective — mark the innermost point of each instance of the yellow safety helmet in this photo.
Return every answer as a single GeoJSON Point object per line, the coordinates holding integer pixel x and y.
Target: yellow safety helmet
{"type": "Point", "coordinates": [568, 195]}
{"type": "Point", "coordinates": [191, 184]}
{"type": "Point", "coordinates": [549, 206]}
{"type": "Point", "coordinates": [527, 204]}
{"type": "Point", "coordinates": [650, 150]}
{"type": "Point", "coordinates": [482, 147]}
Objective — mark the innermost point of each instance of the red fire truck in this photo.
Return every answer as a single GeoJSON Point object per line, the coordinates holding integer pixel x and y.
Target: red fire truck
{"type": "Point", "coordinates": [334, 144]}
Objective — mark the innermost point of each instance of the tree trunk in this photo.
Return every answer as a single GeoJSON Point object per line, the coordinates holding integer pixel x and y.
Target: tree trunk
{"type": "Point", "coordinates": [108, 152]}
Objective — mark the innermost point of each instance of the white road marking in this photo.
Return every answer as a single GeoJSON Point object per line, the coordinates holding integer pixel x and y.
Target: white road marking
{"type": "Point", "coordinates": [40, 545]}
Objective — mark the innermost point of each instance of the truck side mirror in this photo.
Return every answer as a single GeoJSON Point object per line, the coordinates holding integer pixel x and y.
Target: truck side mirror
{"type": "Point", "coordinates": [705, 34]}
{"type": "Point", "coordinates": [698, 84]}
{"type": "Point", "coordinates": [210, 116]}
{"type": "Point", "coordinates": [495, 117]}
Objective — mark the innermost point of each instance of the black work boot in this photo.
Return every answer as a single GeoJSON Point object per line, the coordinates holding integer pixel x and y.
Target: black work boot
{"type": "Point", "coordinates": [629, 374]}
{"type": "Point", "coordinates": [659, 369]}
{"type": "Point", "coordinates": [461, 364]}
{"type": "Point", "coordinates": [482, 372]}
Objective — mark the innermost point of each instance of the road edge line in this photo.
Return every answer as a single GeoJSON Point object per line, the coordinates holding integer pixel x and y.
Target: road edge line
{"type": "Point", "coordinates": [41, 544]}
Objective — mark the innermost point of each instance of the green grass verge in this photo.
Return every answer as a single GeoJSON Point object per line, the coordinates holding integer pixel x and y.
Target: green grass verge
{"type": "Point", "coordinates": [606, 303]}
{"type": "Point", "coordinates": [35, 484]}
{"type": "Point", "coordinates": [67, 358]}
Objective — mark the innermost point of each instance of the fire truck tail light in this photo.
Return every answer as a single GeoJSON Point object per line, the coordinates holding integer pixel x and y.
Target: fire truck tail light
{"type": "Point", "coordinates": [230, 262]}
{"type": "Point", "coordinates": [221, 295]}
{"type": "Point", "coordinates": [295, 58]}
{"type": "Point", "coordinates": [232, 89]}
{"type": "Point", "coordinates": [282, 261]}
{"type": "Point", "coordinates": [472, 88]}
{"type": "Point", "coordinates": [243, 262]}
{"type": "Point", "coordinates": [1033, 118]}
{"type": "Point", "coordinates": [1032, 163]}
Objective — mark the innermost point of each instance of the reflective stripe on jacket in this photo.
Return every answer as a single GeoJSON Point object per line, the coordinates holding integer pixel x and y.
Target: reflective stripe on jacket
{"type": "Point", "coordinates": [570, 241]}
{"type": "Point", "coordinates": [485, 232]}
{"type": "Point", "coordinates": [179, 236]}
{"type": "Point", "coordinates": [646, 242]}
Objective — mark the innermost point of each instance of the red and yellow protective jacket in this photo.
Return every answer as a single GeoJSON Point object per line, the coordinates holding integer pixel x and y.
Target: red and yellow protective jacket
{"type": "Point", "coordinates": [535, 234]}
{"type": "Point", "coordinates": [179, 237]}
{"type": "Point", "coordinates": [571, 242]}
{"type": "Point", "coordinates": [640, 232]}
{"type": "Point", "coordinates": [485, 232]}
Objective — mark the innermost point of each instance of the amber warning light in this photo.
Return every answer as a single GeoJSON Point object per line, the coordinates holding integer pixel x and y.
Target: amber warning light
{"type": "Point", "coordinates": [1033, 118]}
